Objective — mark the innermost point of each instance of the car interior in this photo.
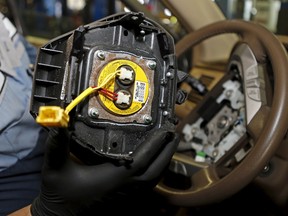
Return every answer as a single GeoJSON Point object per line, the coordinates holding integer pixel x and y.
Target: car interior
{"type": "Point", "coordinates": [232, 158]}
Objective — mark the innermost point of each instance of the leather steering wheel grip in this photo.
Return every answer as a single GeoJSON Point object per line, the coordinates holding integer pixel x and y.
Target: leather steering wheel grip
{"type": "Point", "coordinates": [265, 46]}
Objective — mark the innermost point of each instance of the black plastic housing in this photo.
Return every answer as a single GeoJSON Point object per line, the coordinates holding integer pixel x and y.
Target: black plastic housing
{"type": "Point", "coordinates": [64, 68]}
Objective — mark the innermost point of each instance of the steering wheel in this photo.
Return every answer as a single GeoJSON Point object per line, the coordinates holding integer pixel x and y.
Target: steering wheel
{"type": "Point", "coordinates": [265, 118]}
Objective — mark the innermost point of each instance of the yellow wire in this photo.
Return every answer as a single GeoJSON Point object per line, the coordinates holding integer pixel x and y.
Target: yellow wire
{"type": "Point", "coordinates": [79, 98]}
{"type": "Point", "coordinates": [89, 91]}
{"type": "Point", "coordinates": [108, 78]}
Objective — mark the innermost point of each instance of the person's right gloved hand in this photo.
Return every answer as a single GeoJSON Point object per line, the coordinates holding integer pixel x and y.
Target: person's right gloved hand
{"type": "Point", "coordinates": [69, 188]}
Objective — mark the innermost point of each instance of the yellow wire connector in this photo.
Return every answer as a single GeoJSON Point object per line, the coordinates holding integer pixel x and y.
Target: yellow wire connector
{"type": "Point", "coordinates": [52, 116]}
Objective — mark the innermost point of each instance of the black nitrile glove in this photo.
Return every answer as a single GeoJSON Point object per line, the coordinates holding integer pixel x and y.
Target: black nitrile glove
{"type": "Point", "coordinates": [69, 188]}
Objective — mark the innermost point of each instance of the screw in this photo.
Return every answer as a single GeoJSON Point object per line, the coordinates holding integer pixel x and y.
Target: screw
{"type": "Point", "coordinates": [151, 65]}
{"type": "Point", "coordinates": [267, 170]}
{"type": "Point", "coordinates": [228, 93]}
{"type": "Point", "coordinates": [170, 75]}
{"type": "Point", "coordinates": [147, 119]}
{"type": "Point", "coordinates": [223, 121]}
{"type": "Point", "coordinates": [215, 153]}
{"type": "Point", "coordinates": [93, 113]}
{"type": "Point", "coordinates": [165, 113]}
{"type": "Point", "coordinates": [100, 54]}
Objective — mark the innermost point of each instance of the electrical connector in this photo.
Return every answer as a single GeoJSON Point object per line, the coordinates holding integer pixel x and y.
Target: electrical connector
{"type": "Point", "coordinates": [126, 75]}
{"type": "Point", "coordinates": [200, 156]}
{"type": "Point", "coordinates": [123, 98]}
{"type": "Point", "coordinates": [52, 116]}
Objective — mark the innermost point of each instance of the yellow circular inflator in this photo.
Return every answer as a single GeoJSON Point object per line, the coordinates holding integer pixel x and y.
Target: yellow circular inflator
{"type": "Point", "coordinates": [131, 97]}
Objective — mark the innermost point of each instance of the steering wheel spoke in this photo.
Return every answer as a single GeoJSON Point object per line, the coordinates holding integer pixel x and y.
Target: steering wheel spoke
{"type": "Point", "coordinates": [257, 123]}
{"type": "Point", "coordinates": [204, 178]}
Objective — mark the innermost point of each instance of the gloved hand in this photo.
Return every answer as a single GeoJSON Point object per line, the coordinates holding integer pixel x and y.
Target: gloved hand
{"type": "Point", "coordinates": [69, 188]}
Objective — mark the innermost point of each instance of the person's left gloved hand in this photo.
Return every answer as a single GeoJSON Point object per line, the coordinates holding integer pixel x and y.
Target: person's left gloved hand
{"type": "Point", "coordinates": [69, 188]}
